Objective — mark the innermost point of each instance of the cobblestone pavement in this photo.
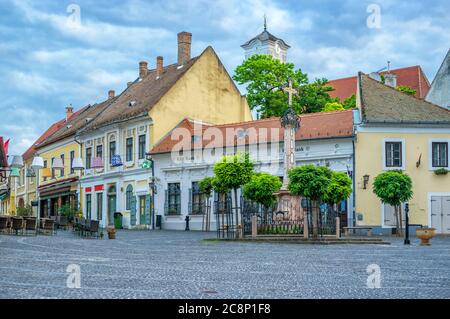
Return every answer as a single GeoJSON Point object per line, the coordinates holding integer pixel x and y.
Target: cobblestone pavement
{"type": "Point", "coordinates": [163, 264]}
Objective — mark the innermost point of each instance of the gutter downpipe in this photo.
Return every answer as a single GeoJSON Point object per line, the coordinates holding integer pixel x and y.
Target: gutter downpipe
{"type": "Point", "coordinates": [79, 178]}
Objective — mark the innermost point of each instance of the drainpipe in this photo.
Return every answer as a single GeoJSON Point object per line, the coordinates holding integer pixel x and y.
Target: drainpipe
{"type": "Point", "coordinates": [79, 177]}
{"type": "Point", "coordinates": [354, 185]}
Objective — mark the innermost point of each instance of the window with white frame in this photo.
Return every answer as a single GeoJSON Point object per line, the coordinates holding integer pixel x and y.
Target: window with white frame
{"type": "Point", "coordinates": [439, 154]}
{"type": "Point", "coordinates": [394, 155]}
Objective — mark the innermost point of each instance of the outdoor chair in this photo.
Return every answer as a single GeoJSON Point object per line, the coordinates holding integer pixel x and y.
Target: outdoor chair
{"type": "Point", "coordinates": [48, 226]}
{"type": "Point", "coordinates": [63, 222]}
{"type": "Point", "coordinates": [4, 224]}
{"type": "Point", "coordinates": [94, 226]}
{"type": "Point", "coordinates": [18, 224]}
{"type": "Point", "coordinates": [86, 226]}
{"type": "Point", "coordinates": [31, 225]}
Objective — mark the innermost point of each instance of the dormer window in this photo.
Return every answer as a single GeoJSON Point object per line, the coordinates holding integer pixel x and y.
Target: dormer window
{"type": "Point", "coordinates": [131, 103]}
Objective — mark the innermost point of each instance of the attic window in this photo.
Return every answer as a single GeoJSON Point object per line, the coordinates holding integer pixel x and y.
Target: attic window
{"type": "Point", "coordinates": [179, 67]}
{"type": "Point", "coordinates": [88, 119]}
{"type": "Point", "coordinates": [69, 126]}
{"type": "Point", "coordinates": [131, 103]}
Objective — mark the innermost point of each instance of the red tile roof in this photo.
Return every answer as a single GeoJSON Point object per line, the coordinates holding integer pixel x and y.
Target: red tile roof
{"type": "Point", "coordinates": [312, 126]}
{"type": "Point", "coordinates": [49, 132]}
{"type": "Point", "coordinates": [412, 76]}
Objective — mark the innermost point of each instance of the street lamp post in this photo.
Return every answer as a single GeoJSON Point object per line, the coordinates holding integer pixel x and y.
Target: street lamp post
{"type": "Point", "coordinates": [407, 242]}
{"type": "Point", "coordinates": [152, 186]}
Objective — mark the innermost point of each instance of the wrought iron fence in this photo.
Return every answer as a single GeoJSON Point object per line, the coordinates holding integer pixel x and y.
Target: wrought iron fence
{"type": "Point", "coordinates": [223, 211]}
{"type": "Point", "coordinates": [270, 221]}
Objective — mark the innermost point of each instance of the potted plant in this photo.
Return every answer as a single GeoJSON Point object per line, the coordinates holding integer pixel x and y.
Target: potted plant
{"type": "Point", "coordinates": [111, 230]}
{"type": "Point", "coordinates": [441, 171]}
{"type": "Point", "coordinates": [425, 234]}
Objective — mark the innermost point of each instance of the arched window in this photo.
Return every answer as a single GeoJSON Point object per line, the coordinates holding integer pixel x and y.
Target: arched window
{"type": "Point", "coordinates": [129, 197]}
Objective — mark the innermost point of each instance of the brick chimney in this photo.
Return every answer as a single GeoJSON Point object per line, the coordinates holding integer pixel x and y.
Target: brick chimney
{"type": "Point", "coordinates": [159, 66]}
{"type": "Point", "coordinates": [111, 94]}
{"type": "Point", "coordinates": [69, 112]}
{"type": "Point", "coordinates": [184, 47]}
{"type": "Point", "coordinates": [143, 69]}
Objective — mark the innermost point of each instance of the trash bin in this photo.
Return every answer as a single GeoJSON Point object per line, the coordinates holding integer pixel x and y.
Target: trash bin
{"type": "Point", "coordinates": [158, 221]}
{"type": "Point", "coordinates": [118, 220]}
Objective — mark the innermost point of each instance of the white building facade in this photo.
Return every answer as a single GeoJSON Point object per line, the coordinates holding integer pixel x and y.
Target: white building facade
{"type": "Point", "coordinates": [177, 175]}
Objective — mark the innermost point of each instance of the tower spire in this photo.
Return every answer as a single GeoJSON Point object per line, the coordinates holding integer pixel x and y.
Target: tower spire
{"type": "Point", "coordinates": [265, 22]}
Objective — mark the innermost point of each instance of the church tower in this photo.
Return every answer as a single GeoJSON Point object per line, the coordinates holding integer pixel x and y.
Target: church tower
{"type": "Point", "coordinates": [266, 43]}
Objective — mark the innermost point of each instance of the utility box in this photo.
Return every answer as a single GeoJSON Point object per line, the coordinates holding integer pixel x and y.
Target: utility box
{"type": "Point", "coordinates": [118, 220]}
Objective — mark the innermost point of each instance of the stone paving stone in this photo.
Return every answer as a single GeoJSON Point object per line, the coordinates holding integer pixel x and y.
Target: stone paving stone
{"type": "Point", "coordinates": [164, 264]}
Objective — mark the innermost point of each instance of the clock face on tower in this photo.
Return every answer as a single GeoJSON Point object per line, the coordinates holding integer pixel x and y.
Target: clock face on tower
{"type": "Point", "coordinates": [277, 48]}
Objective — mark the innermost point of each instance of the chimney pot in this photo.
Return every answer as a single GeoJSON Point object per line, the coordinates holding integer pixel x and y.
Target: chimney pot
{"type": "Point", "coordinates": [159, 66]}
{"type": "Point", "coordinates": [143, 69]}
{"type": "Point", "coordinates": [184, 47]}
{"type": "Point", "coordinates": [111, 94]}
{"type": "Point", "coordinates": [69, 112]}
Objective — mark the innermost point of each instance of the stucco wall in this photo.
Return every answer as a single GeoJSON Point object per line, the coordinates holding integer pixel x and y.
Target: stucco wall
{"type": "Point", "coordinates": [205, 93]}
{"type": "Point", "coordinates": [369, 160]}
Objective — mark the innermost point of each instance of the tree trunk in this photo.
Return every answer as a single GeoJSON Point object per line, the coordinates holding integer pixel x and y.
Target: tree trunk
{"type": "Point", "coordinates": [236, 207]}
{"type": "Point", "coordinates": [400, 219]}
{"type": "Point", "coordinates": [397, 224]}
{"type": "Point", "coordinates": [222, 200]}
{"type": "Point", "coordinates": [315, 218]}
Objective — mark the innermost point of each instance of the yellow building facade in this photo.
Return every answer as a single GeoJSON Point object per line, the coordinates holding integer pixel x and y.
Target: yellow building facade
{"type": "Point", "coordinates": [400, 132]}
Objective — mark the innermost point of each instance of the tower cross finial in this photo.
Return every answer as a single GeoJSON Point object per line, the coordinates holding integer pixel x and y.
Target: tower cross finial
{"type": "Point", "coordinates": [265, 22]}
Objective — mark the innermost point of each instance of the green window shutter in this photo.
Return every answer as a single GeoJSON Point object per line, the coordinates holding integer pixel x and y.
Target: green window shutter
{"type": "Point", "coordinates": [147, 209]}
{"type": "Point", "coordinates": [133, 211]}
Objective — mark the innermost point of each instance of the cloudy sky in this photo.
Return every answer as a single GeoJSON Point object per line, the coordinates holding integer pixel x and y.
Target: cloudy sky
{"type": "Point", "coordinates": [53, 55]}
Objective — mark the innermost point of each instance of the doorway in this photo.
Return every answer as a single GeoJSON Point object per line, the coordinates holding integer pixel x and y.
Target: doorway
{"type": "Point", "coordinates": [112, 204]}
{"type": "Point", "coordinates": [440, 214]}
{"type": "Point", "coordinates": [142, 200]}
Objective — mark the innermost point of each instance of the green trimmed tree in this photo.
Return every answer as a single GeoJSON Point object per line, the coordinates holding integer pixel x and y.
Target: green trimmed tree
{"type": "Point", "coordinates": [394, 188]}
{"type": "Point", "coordinates": [231, 172]}
{"type": "Point", "coordinates": [261, 189]}
{"type": "Point", "coordinates": [263, 74]}
{"type": "Point", "coordinates": [206, 187]}
{"type": "Point", "coordinates": [311, 181]}
{"type": "Point", "coordinates": [339, 188]}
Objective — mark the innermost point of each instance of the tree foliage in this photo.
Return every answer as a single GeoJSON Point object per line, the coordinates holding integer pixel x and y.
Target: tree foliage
{"type": "Point", "coordinates": [339, 188]}
{"type": "Point", "coordinates": [310, 181]}
{"type": "Point", "coordinates": [406, 89]}
{"type": "Point", "coordinates": [393, 187]}
{"type": "Point", "coordinates": [261, 189]}
{"type": "Point", "coordinates": [333, 106]}
{"type": "Point", "coordinates": [262, 74]}
{"type": "Point", "coordinates": [232, 171]}
{"type": "Point", "coordinates": [206, 186]}
{"type": "Point", "coordinates": [350, 102]}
